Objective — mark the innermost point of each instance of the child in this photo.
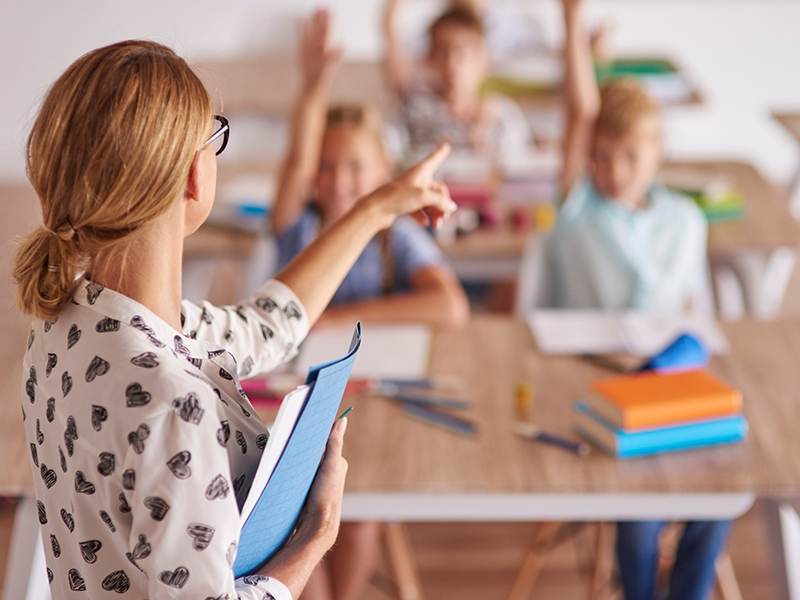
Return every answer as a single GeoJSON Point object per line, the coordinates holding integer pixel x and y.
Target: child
{"type": "Point", "coordinates": [448, 106]}
{"type": "Point", "coordinates": [625, 241]}
{"type": "Point", "coordinates": [335, 157]}
{"type": "Point", "coordinates": [402, 275]}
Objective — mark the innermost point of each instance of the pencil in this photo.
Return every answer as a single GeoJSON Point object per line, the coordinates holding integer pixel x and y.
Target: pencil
{"type": "Point", "coordinates": [345, 412]}
{"type": "Point", "coordinates": [534, 433]}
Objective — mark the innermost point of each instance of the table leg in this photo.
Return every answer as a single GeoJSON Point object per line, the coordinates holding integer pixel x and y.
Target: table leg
{"type": "Point", "coordinates": [534, 559]}
{"type": "Point", "coordinates": [26, 575]}
{"type": "Point", "coordinates": [402, 562]}
{"type": "Point", "coordinates": [783, 524]}
{"type": "Point", "coordinates": [603, 559]}
{"type": "Point", "coordinates": [726, 578]}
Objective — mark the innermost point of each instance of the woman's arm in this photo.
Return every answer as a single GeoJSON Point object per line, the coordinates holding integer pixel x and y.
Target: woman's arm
{"type": "Point", "coordinates": [582, 95]}
{"type": "Point", "coordinates": [397, 62]}
{"type": "Point", "coordinates": [316, 273]}
{"type": "Point", "coordinates": [318, 60]}
{"type": "Point", "coordinates": [436, 298]}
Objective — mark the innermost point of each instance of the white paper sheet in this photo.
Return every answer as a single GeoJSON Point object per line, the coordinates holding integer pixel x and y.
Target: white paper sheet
{"type": "Point", "coordinates": [390, 351]}
{"type": "Point", "coordinates": [606, 332]}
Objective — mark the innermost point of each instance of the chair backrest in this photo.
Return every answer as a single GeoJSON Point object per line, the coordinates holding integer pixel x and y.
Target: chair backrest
{"type": "Point", "coordinates": [535, 285]}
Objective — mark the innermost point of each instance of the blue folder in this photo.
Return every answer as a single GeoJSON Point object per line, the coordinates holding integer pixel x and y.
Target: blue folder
{"type": "Point", "coordinates": [275, 515]}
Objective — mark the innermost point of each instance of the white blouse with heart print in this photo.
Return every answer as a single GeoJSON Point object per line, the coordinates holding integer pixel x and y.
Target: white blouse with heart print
{"type": "Point", "coordinates": [143, 444]}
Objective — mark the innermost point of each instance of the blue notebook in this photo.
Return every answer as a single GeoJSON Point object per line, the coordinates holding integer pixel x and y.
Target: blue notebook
{"type": "Point", "coordinates": [274, 516]}
{"type": "Point", "coordinates": [642, 442]}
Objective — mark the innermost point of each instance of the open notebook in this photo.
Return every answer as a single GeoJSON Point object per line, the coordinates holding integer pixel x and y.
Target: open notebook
{"type": "Point", "coordinates": [290, 461]}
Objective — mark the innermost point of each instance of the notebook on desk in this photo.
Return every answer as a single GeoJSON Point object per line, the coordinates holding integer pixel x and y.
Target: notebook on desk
{"type": "Point", "coordinates": [559, 331]}
{"type": "Point", "coordinates": [290, 461]}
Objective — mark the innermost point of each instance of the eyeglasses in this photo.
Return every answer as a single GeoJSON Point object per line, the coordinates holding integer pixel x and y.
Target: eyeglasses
{"type": "Point", "coordinates": [220, 136]}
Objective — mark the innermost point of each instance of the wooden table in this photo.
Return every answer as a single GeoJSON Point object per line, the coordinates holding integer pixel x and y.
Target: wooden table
{"type": "Point", "coordinates": [791, 122]}
{"type": "Point", "coordinates": [401, 469]}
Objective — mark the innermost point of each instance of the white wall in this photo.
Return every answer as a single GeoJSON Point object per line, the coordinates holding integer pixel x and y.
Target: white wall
{"type": "Point", "coordinates": [744, 54]}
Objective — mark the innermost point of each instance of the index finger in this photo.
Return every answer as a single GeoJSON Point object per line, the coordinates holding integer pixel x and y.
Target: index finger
{"type": "Point", "coordinates": [428, 165]}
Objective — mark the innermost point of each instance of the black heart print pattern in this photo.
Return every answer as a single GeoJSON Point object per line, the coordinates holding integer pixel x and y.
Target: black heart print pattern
{"type": "Point", "coordinates": [107, 325]}
{"type": "Point", "coordinates": [30, 386]}
{"type": "Point", "coordinates": [73, 336]}
{"type": "Point", "coordinates": [140, 550]}
{"type": "Point", "coordinates": [261, 440]}
{"type": "Point", "coordinates": [201, 535]}
{"type": "Point", "coordinates": [218, 488]}
{"type": "Point", "coordinates": [158, 507]}
{"type": "Point", "coordinates": [179, 346]}
{"type": "Point", "coordinates": [137, 438]}
{"type": "Point", "coordinates": [82, 485]}
{"type": "Point", "coordinates": [129, 479]}
{"type": "Point", "coordinates": [230, 555]}
{"type": "Point", "coordinates": [99, 416]}
{"type": "Point", "coordinates": [63, 459]}
{"type": "Point", "coordinates": [50, 413]}
{"type": "Point", "coordinates": [247, 367]}
{"type": "Point", "coordinates": [206, 317]}
{"type": "Point", "coordinates": [97, 368]}
{"type": "Point", "coordinates": [136, 396]}
{"type": "Point", "coordinates": [31, 337]}
{"type": "Point", "coordinates": [179, 465]}
{"type": "Point", "coordinates": [146, 360]}
{"type": "Point", "coordinates": [52, 361]}
{"type": "Point", "coordinates": [238, 483]}
{"type": "Point", "coordinates": [106, 465]}
{"type": "Point", "coordinates": [241, 441]}
{"type": "Point", "coordinates": [69, 521]}
{"type": "Point", "coordinates": [229, 337]}
{"type": "Point", "coordinates": [225, 375]}
{"type": "Point", "coordinates": [92, 292]}
{"type": "Point", "coordinates": [70, 435]}
{"type": "Point", "coordinates": [66, 384]}
{"type": "Point", "coordinates": [39, 434]}
{"type": "Point", "coordinates": [48, 476]}
{"type": "Point", "coordinates": [42, 512]}
{"type": "Point", "coordinates": [137, 322]}
{"type": "Point", "coordinates": [107, 520]}
{"type": "Point", "coordinates": [49, 575]}
{"type": "Point", "coordinates": [292, 311]}
{"type": "Point", "coordinates": [254, 579]}
{"type": "Point", "coordinates": [116, 582]}
{"type": "Point", "coordinates": [223, 433]}
{"type": "Point", "coordinates": [188, 408]}
{"type": "Point", "coordinates": [124, 507]}
{"type": "Point", "coordinates": [267, 333]}
{"type": "Point", "coordinates": [176, 578]}
{"type": "Point", "coordinates": [212, 354]}
{"type": "Point", "coordinates": [55, 546]}
{"type": "Point", "coordinates": [267, 304]}
{"type": "Point", "coordinates": [76, 582]}
{"type": "Point", "coordinates": [48, 325]}
{"type": "Point", "coordinates": [89, 550]}
{"type": "Point", "coordinates": [34, 454]}
{"type": "Point", "coordinates": [198, 363]}
{"type": "Point", "coordinates": [239, 310]}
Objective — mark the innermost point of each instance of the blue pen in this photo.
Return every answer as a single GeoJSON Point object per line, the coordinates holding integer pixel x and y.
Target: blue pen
{"type": "Point", "coordinates": [533, 432]}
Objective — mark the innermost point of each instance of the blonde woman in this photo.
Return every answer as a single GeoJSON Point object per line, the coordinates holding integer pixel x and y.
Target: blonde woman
{"type": "Point", "coordinates": [142, 443]}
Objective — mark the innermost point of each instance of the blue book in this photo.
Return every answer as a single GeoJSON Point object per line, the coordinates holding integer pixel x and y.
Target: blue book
{"type": "Point", "coordinates": [642, 442]}
{"type": "Point", "coordinates": [290, 461]}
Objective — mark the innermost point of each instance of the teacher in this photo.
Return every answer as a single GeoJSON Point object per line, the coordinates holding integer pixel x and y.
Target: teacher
{"type": "Point", "coordinates": [142, 442]}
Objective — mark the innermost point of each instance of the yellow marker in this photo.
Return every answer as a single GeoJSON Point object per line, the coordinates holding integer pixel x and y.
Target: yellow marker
{"type": "Point", "coordinates": [544, 217]}
{"type": "Point", "coordinates": [524, 400]}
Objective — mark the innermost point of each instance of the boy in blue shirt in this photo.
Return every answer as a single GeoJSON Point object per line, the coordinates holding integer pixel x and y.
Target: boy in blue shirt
{"type": "Point", "coordinates": [623, 240]}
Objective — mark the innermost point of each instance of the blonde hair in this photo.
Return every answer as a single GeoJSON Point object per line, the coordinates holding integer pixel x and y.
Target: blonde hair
{"type": "Point", "coordinates": [360, 117]}
{"type": "Point", "coordinates": [625, 108]}
{"type": "Point", "coordinates": [110, 151]}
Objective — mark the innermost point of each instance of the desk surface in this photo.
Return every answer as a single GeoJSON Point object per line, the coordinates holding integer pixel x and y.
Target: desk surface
{"type": "Point", "coordinates": [791, 121]}
{"type": "Point", "coordinates": [394, 458]}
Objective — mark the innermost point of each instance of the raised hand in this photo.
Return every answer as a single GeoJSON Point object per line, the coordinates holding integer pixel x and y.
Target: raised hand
{"type": "Point", "coordinates": [319, 58]}
{"type": "Point", "coordinates": [415, 193]}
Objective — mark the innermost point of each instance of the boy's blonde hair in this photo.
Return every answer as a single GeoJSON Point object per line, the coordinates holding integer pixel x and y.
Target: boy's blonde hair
{"type": "Point", "coordinates": [361, 117]}
{"type": "Point", "coordinates": [625, 109]}
{"type": "Point", "coordinates": [110, 151]}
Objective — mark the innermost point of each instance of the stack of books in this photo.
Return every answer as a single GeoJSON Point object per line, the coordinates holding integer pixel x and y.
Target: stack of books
{"type": "Point", "coordinates": [649, 413]}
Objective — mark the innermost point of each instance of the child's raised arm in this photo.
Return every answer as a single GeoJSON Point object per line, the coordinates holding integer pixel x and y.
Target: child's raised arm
{"type": "Point", "coordinates": [582, 95]}
{"type": "Point", "coordinates": [318, 62]}
{"type": "Point", "coordinates": [398, 64]}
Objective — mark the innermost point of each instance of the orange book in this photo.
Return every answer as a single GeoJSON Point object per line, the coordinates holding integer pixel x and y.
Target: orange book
{"type": "Point", "coordinates": [646, 400]}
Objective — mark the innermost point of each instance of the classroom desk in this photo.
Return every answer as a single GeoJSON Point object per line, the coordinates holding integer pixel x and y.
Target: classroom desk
{"type": "Point", "coordinates": [791, 122]}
